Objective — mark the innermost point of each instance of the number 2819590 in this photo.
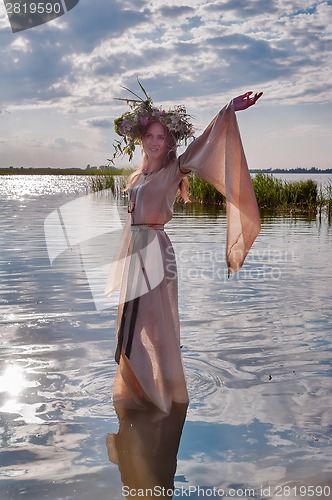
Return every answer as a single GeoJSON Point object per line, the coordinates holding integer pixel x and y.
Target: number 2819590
{"type": "Point", "coordinates": [303, 491]}
{"type": "Point", "coordinates": [33, 8]}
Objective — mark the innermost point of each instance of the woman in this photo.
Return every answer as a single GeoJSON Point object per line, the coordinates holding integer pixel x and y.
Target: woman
{"type": "Point", "coordinates": [150, 371]}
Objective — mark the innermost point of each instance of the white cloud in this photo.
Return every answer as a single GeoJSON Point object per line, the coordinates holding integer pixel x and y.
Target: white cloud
{"type": "Point", "coordinates": [200, 53]}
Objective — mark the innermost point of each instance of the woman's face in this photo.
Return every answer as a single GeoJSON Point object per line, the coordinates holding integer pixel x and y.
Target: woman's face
{"type": "Point", "coordinates": [154, 141]}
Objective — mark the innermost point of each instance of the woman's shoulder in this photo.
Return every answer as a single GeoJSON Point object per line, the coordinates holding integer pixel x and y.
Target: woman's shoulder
{"type": "Point", "coordinates": [173, 169]}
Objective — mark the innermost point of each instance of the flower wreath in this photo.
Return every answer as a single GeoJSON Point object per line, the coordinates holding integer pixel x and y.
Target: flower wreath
{"type": "Point", "coordinates": [132, 125]}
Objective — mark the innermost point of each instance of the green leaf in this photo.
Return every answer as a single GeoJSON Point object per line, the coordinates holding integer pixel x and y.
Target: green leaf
{"type": "Point", "coordinates": [140, 99]}
{"type": "Point", "coordinates": [143, 89]}
{"type": "Point", "coordinates": [128, 100]}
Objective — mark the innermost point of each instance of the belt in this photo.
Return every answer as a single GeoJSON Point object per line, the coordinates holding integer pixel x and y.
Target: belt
{"type": "Point", "coordinates": [137, 227]}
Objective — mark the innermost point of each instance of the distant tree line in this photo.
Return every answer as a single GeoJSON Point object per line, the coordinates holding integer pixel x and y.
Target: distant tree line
{"type": "Point", "coordinates": [298, 170]}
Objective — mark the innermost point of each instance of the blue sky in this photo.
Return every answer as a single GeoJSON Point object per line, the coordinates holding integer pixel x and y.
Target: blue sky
{"type": "Point", "coordinates": [58, 81]}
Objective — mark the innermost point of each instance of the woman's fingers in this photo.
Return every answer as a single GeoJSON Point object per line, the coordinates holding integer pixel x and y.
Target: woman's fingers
{"type": "Point", "coordinates": [246, 100]}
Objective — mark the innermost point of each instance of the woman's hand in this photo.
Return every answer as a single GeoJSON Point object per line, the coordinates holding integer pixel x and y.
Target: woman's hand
{"type": "Point", "coordinates": [246, 100]}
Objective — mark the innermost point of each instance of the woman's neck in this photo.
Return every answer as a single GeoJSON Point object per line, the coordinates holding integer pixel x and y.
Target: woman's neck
{"type": "Point", "coordinates": [152, 166]}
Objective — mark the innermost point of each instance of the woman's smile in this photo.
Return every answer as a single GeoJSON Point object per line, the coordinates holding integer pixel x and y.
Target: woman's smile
{"type": "Point", "coordinates": [154, 143]}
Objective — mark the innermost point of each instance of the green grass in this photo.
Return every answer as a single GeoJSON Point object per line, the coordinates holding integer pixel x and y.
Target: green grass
{"type": "Point", "coordinates": [271, 192]}
{"type": "Point", "coordinates": [325, 199]}
{"type": "Point", "coordinates": [277, 193]}
{"type": "Point", "coordinates": [203, 192]}
{"type": "Point", "coordinates": [109, 180]}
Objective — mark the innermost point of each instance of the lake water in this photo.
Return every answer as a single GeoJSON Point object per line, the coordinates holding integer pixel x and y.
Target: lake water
{"type": "Point", "coordinates": [256, 349]}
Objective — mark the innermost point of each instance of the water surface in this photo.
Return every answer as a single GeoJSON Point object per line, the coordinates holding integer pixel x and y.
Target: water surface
{"type": "Point", "coordinates": [256, 348]}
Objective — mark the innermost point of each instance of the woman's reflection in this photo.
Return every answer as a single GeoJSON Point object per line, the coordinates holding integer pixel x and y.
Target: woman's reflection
{"type": "Point", "coordinates": [145, 450]}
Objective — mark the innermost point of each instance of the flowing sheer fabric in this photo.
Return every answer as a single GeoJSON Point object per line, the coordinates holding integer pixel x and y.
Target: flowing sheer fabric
{"type": "Point", "coordinates": [150, 370]}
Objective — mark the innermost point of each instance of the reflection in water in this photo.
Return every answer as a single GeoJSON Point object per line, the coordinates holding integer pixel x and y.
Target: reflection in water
{"type": "Point", "coordinates": [145, 450]}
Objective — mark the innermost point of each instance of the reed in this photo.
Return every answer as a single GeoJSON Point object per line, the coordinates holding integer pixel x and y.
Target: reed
{"type": "Point", "coordinates": [202, 192]}
{"type": "Point", "coordinates": [271, 192]}
{"type": "Point", "coordinates": [281, 194]}
{"type": "Point", "coordinates": [109, 179]}
{"type": "Point", "coordinates": [327, 195]}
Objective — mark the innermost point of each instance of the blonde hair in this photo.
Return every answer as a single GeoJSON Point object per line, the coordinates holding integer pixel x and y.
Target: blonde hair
{"type": "Point", "coordinates": [170, 155]}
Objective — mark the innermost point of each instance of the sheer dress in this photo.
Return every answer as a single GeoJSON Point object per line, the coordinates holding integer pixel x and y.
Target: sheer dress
{"type": "Point", "coordinates": [150, 371]}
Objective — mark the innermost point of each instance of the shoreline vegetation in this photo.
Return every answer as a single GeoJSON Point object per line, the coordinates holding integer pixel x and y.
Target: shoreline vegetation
{"type": "Point", "coordinates": [272, 193]}
{"type": "Point", "coordinates": [109, 170]}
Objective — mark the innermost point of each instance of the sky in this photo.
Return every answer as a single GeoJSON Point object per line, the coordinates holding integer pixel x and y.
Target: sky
{"type": "Point", "coordinates": [59, 81]}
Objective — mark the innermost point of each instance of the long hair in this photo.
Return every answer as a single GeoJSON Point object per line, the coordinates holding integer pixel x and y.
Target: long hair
{"type": "Point", "coordinates": [169, 156]}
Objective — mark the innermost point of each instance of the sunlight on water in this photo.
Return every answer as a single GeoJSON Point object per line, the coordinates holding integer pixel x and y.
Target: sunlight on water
{"type": "Point", "coordinates": [12, 381]}
{"type": "Point", "coordinates": [18, 187]}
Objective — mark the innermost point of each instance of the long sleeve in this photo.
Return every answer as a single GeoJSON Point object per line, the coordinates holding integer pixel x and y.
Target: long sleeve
{"type": "Point", "coordinates": [218, 157]}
